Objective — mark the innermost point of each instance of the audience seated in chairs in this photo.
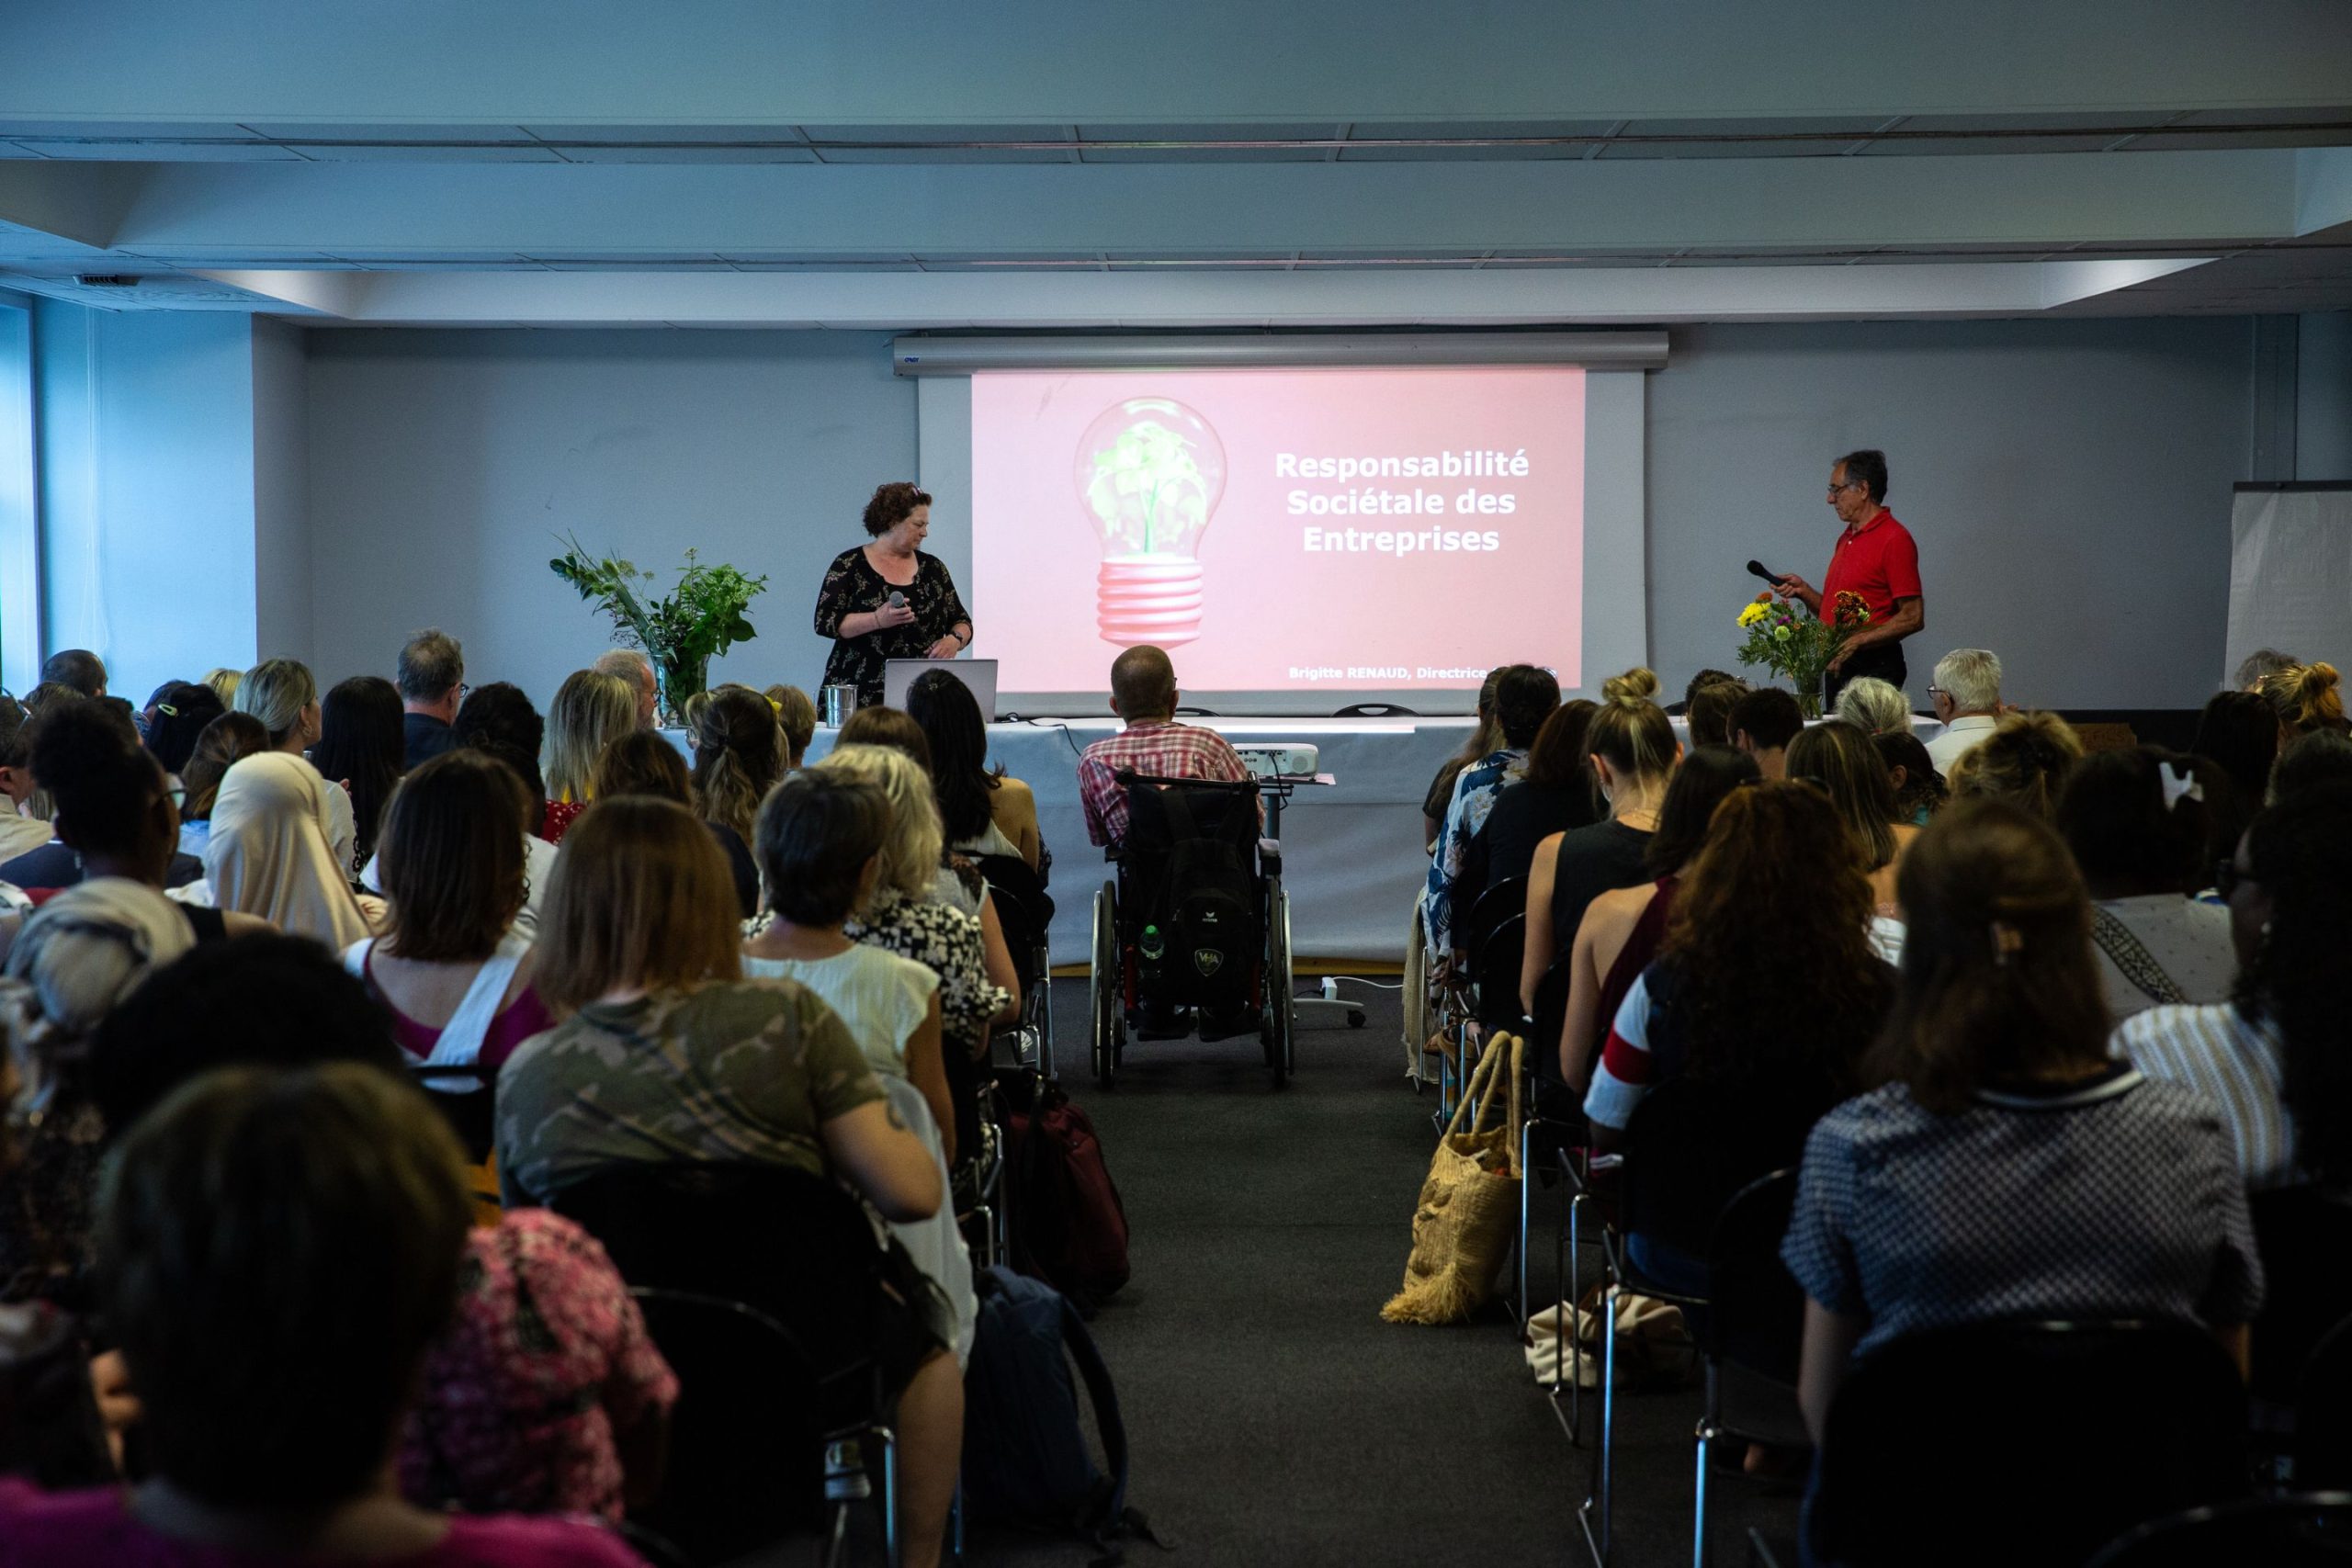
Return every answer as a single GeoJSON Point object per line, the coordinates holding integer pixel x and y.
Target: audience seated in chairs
{"type": "Point", "coordinates": [1525, 697]}
{"type": "Point", "coordinates": [1844, 763]}
{"type": "Point", "coordinates": [910, 915]}
{"type": "Point", "coordinates": [2307, 698]}
{"type": "Point", "coordinates": [644, 763]}
{"type": "Point", "coordinates": [181, 711]}
{"type": "Point", "coordinates": [2006, 1168]}
{"type": "Point", "coordinates": [739, 755]}
{"type": "Point", "coordinates": [283, 695]}
{"type": "Point", "coordinates": [542, 1393]}
{"type": "Point", "coordinates": [450, 971]}
{"type": "Point", "coordinates": [430, 678]}
{"type": "Point", "coordinates": [273, 1372]}
{"type": "Point", "coordinates": [1153, 744]}
{"type": "Point", "coordinates": [2138, 826]}
{"type": "Point", "coordinates": [2272, 1059]}
{"type": "Point", "coordinates": [1875, 707]}
{"type": "Point", "coordinates": [360, 747]}
{"type": "Point", "coordinates": [820, 837]}
{"type": "Point", "coordinates": [1762, 722]}
{"type": "Point", "coordinates": [1707, 711]}
{"type": "Point", "coordinates": [266, 857]}
{"type": "Point", "coordinates": [110, 805]}
{"type": "Point", "coordinates": [1486, 736]}
{"type": "Point", "coordinates": [984, 812]}
{"type": "Point", "coordinates": [1623, 928]}
{"type": "Point", "coordinates": [1965, 692]}
{"type": "Point", "coordinates": [1632, 752]}
{"type": "Point", "coordinates": [666, 1056]}
{"type": "Point", "coordinates": [2024, 761]}
{"type": "Point", "coordinates": [634, 670]}
{"type": "Point", "coordinates": [1775, 903]}
{"type": "Point", "coordinates": [590, 711]}
{"type": "Point", "coordinates": [798, 716]}
{"type": "Point", "coordinates": [1919, 791]}
{"type": "Point", "coordinates": [1555, 796]}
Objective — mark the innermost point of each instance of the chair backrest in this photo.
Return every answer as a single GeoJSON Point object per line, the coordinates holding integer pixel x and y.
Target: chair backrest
{"type": "Point", "coordinates": [787, 1243]}
{"type": "Point", "coordinates": [1489, 909]}
{"type": "Point", "coordinates": [2312, 1529]}
{"type": "Point", "coordinates": [2303, 1233]}
{"type": "Point", "coordinates": [2324, 1412]}
{"type": "Point", "coordinates": [1494, 963]}
{"type": "Point", "coordinates": [1023, 907]}
{"type": "Point", "coordinates": [2023, 1443]}
{"type": "Point", "coordinates": [747, 1448]}
{"type": "Point", "coordinates": [1550, 1017]}
{"type": "Point", "coordinates": [1690, 1147]}
{"type": "Point", "coordinates": [1756, 1312]}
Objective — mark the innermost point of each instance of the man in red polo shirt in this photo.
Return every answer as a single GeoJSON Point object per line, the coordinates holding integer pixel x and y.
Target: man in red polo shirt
{"type": "Point", "coordinates": [1874, 559]}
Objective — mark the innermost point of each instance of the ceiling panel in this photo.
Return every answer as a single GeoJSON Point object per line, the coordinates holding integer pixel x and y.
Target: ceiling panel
{"type": "Point", "coordinates": [1472, 130]}
{"type": "Point", "coordinates": [1826, 136]}
{"type": "Point", "coordinates": [934, 143]}
{"type": "Point", "coordinates": [161, 151]}
{"type": "Point", "coordinates": [1274, 130]}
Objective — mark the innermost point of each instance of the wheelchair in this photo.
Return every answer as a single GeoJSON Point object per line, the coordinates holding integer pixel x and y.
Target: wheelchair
{"type": "Point", "coordinates": [1130, 987]}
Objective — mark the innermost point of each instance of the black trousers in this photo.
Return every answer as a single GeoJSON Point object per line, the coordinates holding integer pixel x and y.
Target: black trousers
{"type": "Point", "coordinates": [1883, 659]}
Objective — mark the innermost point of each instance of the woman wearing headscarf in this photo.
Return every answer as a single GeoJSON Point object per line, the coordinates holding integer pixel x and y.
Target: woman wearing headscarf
{"type": "Point", "coordinates": [267, 857]}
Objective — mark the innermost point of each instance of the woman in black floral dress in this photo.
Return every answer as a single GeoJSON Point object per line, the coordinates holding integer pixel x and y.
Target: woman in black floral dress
{"type": "Point", "coordinates": [854, 608]}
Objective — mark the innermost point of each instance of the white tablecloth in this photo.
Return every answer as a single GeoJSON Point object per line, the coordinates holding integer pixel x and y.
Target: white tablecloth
{"type": "Point", "coordinates": [1352, 853]}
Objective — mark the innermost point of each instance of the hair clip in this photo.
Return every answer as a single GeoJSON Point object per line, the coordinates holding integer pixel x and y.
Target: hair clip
{"type": "Point", "coordinates": [2180, 783]}
{"type": "Point", "coordinates": [167, 710]}
{"type": "Point", "coordinates": [2006, 939]}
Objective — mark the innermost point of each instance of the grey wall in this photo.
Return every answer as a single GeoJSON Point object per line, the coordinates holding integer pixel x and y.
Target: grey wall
{"type": "Point", "coordinates": [2324, 398]}
{"type": "Point", "coordinates": [2068, 483]}
{"type": "Point", "coordinates": [146, 449]}
{"type": "Point", "coordinates": [282, 619]}
{"type": "Point", "coordinates": [443, 464]}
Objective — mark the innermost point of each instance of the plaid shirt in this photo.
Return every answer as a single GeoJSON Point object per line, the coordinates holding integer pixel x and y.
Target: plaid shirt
{"type": "Point", "coordinates": [1163, 750]}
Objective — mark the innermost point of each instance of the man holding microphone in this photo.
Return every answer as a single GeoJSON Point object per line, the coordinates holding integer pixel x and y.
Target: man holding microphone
{"type": "Point", "coordinates": [1874, 559]}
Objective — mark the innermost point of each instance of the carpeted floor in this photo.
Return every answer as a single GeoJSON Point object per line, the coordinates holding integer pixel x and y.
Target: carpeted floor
{"type": "Point", "coordinates": [1273, 1418]}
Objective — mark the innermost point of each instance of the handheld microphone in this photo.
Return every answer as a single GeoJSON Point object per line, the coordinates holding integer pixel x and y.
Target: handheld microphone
{"type": "Point", "coordinates": [1760, 570]}
{"type": "Point", "coordinates": [898, 600]}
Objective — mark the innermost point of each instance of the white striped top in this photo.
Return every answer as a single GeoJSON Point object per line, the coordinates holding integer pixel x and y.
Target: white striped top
{"type": "Point", "coordinates": [2240, 1067]}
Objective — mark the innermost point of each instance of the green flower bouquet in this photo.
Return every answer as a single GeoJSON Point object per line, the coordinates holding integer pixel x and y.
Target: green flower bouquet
{"type": "Point", "coordinates": [699, 619]}
{"type": "Point", "coordinates": [1789, 640]}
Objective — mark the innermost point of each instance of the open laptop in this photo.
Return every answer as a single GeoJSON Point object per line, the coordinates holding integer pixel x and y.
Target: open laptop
{"type": "Point", "coordinates": [979, 676]}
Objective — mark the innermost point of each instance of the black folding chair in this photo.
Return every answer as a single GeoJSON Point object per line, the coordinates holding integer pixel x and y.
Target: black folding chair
{"type": "Point", "coordinates": [2311, 1529]}
{"type": "Point", "coordinates": [2304, 1234]}
{"type": "Point", "coordinates": [782, 1243]}
{"type": "Point", "coordinates": [2025, 1444]}
{"type": "Point", "coordinates": [2322, 1447]}
{"type": "Point", "coordinates": [1750, 1334]}
{"type": "Point", "coordinates": [746, 1457]}
{"type": "Point", "coordinates": [1027, 912]}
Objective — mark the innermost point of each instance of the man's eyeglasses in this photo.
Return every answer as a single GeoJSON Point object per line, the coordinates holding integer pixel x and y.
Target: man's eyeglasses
{"type": "Point", "coordinates": [1849, 484]}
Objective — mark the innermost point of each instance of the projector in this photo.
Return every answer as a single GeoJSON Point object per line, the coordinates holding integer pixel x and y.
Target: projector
{"type": "Point", "coordinates": [1285, 761]}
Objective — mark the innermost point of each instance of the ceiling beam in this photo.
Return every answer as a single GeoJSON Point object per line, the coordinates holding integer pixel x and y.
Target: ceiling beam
{"type": "Point", "coordinates": [248, 214]}
{"type": "Point", "coordinates": [879, 61]}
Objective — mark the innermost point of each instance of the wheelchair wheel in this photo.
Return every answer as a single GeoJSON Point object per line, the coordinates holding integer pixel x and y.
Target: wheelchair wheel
{"type": "Point", "coordinates": [1106, 987]}
{"type": "Point", "coordinates": [1279, 1028]}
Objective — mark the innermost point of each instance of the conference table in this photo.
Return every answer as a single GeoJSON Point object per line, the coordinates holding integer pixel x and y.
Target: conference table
{"type": "Point", "coordinates": [1352, 850]}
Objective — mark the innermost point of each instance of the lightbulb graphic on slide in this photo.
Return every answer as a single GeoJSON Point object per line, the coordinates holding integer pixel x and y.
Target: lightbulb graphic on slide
{"type": "Point", "coordinates": [1150, 472]}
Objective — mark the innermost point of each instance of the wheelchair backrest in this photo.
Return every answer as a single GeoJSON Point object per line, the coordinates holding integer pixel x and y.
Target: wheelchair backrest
{"type": "Point", "coordinates": [1190, 869]}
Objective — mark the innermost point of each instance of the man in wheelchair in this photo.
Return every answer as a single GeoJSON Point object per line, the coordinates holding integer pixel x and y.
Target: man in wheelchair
{"type": "Point", "coordinates": [1191, 899]}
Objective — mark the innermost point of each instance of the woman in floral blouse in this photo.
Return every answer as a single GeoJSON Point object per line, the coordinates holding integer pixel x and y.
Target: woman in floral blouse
{"type": "Point", "coordinates": [854, 608]}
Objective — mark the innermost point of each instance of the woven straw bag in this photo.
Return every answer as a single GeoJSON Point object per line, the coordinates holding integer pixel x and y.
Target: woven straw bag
{"type": "Point", "coordinates": [1469, 1206]}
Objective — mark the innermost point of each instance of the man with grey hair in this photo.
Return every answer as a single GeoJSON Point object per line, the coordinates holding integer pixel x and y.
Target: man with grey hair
{"type": "Point", "coordinates": [1967, 694]}
{"type": "Point", "coordinates": [432, 679]}
{"type": "Point", "coordinates": [631, 665]}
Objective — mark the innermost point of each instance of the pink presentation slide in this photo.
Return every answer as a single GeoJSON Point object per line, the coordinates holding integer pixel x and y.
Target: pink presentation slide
{"type": "Point", "coordinates": [1279, 530]}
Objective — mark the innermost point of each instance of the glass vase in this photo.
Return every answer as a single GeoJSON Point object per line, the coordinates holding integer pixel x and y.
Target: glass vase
{"type": "Point", "coordinates": [677, 680]}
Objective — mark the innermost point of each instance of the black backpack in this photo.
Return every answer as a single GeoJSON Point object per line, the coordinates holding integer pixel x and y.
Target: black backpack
{"type": "Point", "coordinates": [1195, 844]}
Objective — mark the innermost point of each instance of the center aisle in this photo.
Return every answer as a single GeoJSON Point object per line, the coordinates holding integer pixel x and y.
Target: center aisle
{"type": "Point", "coordinates": [1273, 1418]}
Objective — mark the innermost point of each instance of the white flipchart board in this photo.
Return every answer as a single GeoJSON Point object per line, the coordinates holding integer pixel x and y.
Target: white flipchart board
{"type": "Point", "coordinates": [2291, 572]}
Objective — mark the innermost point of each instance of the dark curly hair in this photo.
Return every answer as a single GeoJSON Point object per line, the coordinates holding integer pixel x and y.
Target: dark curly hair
{"type": "Point", "coordinates": [1776, 905]}
{"type": "Point", "coordinates": [892, 504]}
{"type": "Point", "coordinates": [2299, 852]}
{"type": "Point", "coordinates": [104, 782]}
